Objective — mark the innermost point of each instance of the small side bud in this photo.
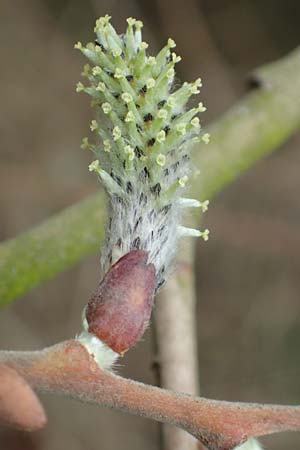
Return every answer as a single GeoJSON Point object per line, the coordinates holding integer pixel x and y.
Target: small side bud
{"type": "Point", "coordinates": [119, 310]}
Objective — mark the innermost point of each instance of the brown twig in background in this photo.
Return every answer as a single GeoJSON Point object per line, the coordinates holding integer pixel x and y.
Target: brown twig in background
{"type": "Point", "coordinates": [175, 326]}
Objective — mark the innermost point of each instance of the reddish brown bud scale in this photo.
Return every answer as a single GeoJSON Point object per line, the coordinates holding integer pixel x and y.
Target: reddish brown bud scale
{"type": "Point", "coordinates": [120, 308]}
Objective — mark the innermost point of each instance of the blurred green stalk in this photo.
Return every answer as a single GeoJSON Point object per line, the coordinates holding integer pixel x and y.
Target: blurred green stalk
{"type": "Point", "coordinates": [255, 126]}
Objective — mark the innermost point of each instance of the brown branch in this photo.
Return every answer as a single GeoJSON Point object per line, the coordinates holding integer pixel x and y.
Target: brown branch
{"type": "Point", "coordinates": [175, 326]}
{"type": "Point", "coordinates": [68, 369]}
{"type": "Point", "coordinates": [19, 406]}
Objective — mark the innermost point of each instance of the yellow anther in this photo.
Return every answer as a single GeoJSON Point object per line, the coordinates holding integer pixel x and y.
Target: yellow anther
{"type": "Point", "coordinates": [181, 128]}
{"type": "Point", "coordinates": [162, 114]}
{"type": "Point", "coordinates": [205, 138]}
{"type": "Point", "coordinates": [151, 61]}
{"type": "Point", "coordinates": [195, 122]}
{"type": "Point", "coordinates": [204, 234]}
{"type": "Point", "coordinates": [78, 45]}
{"type": "Point", "coordinates": [119, 73]}
{"type": "Point", "coordinates": [96, 71]}
{"type": "Point", "coordinates": [161, 160]}
{"type": "Point", "coordinates": [150, 83]}
{"type": "Point", "coordinates": [116, 133]}
{"type": "Point", "coordinates": [170, 73]}
{"type": "Point", "coordinates": [90, 46]}
{"type": "Point", "coordinates": [138, 25]}
{"type": "Point", "coordinates": [94, 125]}
{"type": "Point", "coordinates": [100, 87]}
{"type": "Point", "coordinates": [85, 143]}
{"type": "Point", "coordinates": [116, 52]}
{"type": "Point", "coordinates": [171, 43]}
{"type": "Point", "coordinates": [106, 107]}
{"type": "Point", "coordinates": [107, 145]}
{"type": "Point", "coordinates": [79, 87]}
{"type": "Point", "coordinates": [201, 107]}
{"type": "Point", "coordinates": [175, 58]}
{"type": "Point", "coordinates": [131, 21]}
{"type": "Point", "coordinates": [126, 97]}
{"type": "Point", "coordinates": [94, 166]}
{"type": "Point", "coordinates": [161, 136]}
{"type": "Point", "coordinates": [143, 45]}
{"type": "Point", "coordinates": [129, 152]}
{"type": "Point", "coordinates": [86, 70]}
{"type": "Point", "coordinates": [129, 117]}
{"type": "Point", "coordinates": [204, 205]}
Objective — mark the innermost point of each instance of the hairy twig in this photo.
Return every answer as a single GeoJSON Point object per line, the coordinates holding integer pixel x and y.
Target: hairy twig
{"type": "Point", "coordinates": [69, 370]}
{"type": "Point", "coordinates": [257, 125]}
{"type": "Point", "coordinates": [19, 406]}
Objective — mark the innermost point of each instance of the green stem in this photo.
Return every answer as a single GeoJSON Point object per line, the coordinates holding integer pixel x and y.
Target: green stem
{"type": "Point", "coordinates": [51, 247]}
{"type": "Point", "coordinates": [250, 130]}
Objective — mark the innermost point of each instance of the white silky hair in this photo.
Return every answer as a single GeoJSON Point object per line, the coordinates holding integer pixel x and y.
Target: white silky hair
{"type": "Point", "coordinates": [250, 444]}
{"type": "Point", "coordinates": [103, 355]}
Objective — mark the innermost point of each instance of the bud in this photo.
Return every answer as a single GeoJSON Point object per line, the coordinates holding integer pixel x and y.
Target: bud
{"type": "Point", "coordinates": [120, 308]}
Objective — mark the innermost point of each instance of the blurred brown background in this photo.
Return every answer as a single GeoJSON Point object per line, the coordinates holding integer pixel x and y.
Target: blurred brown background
{"type": "Point", "coordinates": [248, 275]}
